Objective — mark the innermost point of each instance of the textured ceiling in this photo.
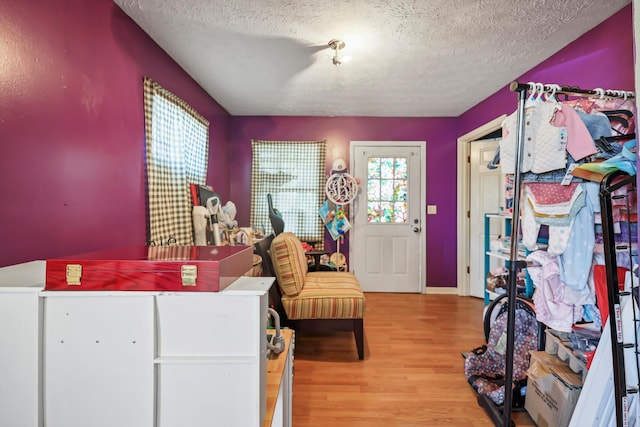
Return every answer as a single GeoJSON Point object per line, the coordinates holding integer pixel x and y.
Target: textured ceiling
{"type": "Point", "coordinates": [409, 58]}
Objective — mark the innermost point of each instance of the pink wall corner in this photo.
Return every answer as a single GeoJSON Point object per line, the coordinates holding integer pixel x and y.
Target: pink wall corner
{"type": "Point", "coordinates": [339, 131]}
{"type": "Point", "coordinates": [72, 171]}
{"type": "Point", "coordinates": [602, 57]}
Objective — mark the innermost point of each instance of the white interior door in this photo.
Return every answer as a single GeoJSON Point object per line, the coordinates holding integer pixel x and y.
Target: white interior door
{"type": "Point", "coordinates": [387, 242]}
{"type": "Point", "coordinates": [486, 189]}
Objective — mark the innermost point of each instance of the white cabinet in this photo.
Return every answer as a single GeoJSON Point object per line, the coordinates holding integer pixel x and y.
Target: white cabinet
{"type": "Point", "coordinates": [157, 359]}
{"type": "Point", "coordinates": [99, 352]}
{"type": "Point", "coordinates": [20, 334]}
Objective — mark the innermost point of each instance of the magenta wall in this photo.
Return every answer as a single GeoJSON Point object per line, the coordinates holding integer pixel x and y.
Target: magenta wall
{"type": "Point", "coordinates": [439, 133]}
{"type": "Point", "coordinates": [71, 120]}
{"type": "Point", "coordinates": [72, 174]}
{"type": "Point", "coordinates": [602, 57]}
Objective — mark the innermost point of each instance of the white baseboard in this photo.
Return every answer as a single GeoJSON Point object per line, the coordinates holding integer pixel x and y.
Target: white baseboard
{"type": "Point", "coordinates": [441, 291]}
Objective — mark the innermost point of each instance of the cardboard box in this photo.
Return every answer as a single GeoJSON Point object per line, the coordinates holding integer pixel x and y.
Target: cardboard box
{"type": "Point", "coordinates": [150, 268]}
{"type": "Point", "coordinates": [552, 390]}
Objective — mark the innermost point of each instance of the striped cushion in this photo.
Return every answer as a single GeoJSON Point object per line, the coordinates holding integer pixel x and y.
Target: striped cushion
{"type": "Point", "coordinates": [289, 263]}
{"type": "Point", "coordinates": [327, 295]}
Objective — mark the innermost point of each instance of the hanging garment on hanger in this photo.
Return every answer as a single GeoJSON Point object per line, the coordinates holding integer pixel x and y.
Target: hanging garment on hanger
{"type": "Point", "coordinates": [621, 113]}
{"type": "Point", "coordinates": [560, 213]}
{"type": "Point", "coordinates": [554, 176]}
{"type": "Point", "coordinates": [575, 262]}
{"type": "Point", "coordinates": [597, 123]}
{"type": "Point", "coordinates": [609, 146]}
{"type": "Point", "coordinates": [544, 144]}
{"type": "Point", "coordinates": [552, 307]}
{"type": "Point", "coordinates": [558, 235]}
{"type": "Point", "coordinates": [624, 161]}
{"type": "Point", "coordinates": [582, 129]}
{"type": "Point", "coordinates": [551, 193]}
{"type": "Point", "coordinates": [606, 149]}
{"type": "Point", "coordinates": [579, 140]}
{"type": "Point", "coordinates": [586, 105]}
{"type": "Point", "coordinates": [550, 132]}
{"type": "Point", "coordinates": [558, 216]}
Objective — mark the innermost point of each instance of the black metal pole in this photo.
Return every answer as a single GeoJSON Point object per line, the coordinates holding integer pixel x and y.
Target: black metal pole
{"type": "Point", "coordinates": [607, 187]}
{"type": "Point", "coordinates": [576, 91]}
{"type": "Point", "coordinates": [513, 258]}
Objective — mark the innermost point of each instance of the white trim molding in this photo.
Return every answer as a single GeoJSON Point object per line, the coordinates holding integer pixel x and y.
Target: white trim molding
{"type": "Point", "coordinates": [432, 290]}
{"type": "Point", "coordinates": [462, 224]}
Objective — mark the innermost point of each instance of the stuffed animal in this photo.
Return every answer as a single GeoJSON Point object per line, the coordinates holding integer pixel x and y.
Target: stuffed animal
{"type": "Point", "coordinates": [225, 215]}
{"type": "Point", "coordinates": [228, 215]}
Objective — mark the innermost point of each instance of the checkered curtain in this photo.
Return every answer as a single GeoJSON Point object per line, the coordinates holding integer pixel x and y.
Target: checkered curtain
{"type": "Point", "coordinates": [294, 173]}
{"type": "Point", "coordinates": [177, 155]}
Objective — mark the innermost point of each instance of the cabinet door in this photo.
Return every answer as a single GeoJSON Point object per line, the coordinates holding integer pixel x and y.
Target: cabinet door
{"type": "Point", "coordinates": [211, 325]}
{"type": "Point", "coordinates": [205, 393]}
{"type": "Point", "coordinates": [99, 368]}
{"type": "Point", "coordinates": [211, 360]}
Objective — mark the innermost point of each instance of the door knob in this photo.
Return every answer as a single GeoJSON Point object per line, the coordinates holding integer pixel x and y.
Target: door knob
{"type": "Point", "coordinates": [417, 229]}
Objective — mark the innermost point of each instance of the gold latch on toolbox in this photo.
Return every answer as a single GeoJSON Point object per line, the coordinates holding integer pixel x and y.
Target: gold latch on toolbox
{"type": "Point", "coordinates": [189, 275]}
{"type": "Point", "coordinates": [74, 273]}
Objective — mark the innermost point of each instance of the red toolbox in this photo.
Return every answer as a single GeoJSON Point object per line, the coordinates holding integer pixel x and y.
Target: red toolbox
{"type": "Point", "coordinates": [150, 268]}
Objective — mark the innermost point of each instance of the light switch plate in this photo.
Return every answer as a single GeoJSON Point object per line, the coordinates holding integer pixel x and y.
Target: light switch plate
{"type": "Point", "coordinates": [432, 209]}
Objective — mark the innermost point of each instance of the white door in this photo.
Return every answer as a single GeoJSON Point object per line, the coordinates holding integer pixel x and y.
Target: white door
{"type": "Point", "coordinates": [387, 242]}
{"type": "Point", "coordinates": [486, 189]}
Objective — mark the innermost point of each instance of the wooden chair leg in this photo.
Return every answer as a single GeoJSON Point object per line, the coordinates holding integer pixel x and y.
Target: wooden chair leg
{"type": "Point", "coordinates": [358, 332]}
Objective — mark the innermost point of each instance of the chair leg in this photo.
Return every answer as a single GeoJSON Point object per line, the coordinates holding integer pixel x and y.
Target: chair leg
{"type": "Point", "coordinates": [358, 332]}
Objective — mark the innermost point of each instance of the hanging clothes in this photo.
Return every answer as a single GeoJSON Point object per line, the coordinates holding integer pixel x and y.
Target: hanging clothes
{"type": "Point", "coordinates": [544, 143]}
{"type": "Point", "coordinates": [552, 131]}
{"type": "Point", "coordinates": [558, 216]}
{"type": "Point", "coordinates": [556, 306]}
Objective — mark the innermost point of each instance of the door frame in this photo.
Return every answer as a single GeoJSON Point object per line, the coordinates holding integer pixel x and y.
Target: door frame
{"type": "Point", "coordinates": [422, 145]}
{"type": "Point", "coordinates": [463, 220]}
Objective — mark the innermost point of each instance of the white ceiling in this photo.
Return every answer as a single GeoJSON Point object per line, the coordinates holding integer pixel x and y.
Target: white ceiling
{"type": "Point", "coordinates": [409, 58]}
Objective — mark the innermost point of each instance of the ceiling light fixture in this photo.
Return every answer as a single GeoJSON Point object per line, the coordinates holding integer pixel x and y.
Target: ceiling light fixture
{"type": "Point", "coordinates": [337, 45]}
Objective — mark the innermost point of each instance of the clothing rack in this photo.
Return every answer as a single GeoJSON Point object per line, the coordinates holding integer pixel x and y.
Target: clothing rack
{"type": "Point", "coordinates": [609, 185]}
{"type": "Point", "coordinates": [610, 392]}
{"type": "Point", "coordinates": [498, 416]}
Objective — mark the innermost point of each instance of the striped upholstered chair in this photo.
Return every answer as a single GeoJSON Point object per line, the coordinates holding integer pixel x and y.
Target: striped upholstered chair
{"type": "Point", "coordinates": [331, 300]}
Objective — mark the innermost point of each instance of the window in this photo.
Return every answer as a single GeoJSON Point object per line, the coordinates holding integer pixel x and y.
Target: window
{"type": "Point", "coordinates": [177, 154]}
{"type": "Point", "coordinates": [387, 189]}
{"type": "Point", "coordinates": [293, 172]}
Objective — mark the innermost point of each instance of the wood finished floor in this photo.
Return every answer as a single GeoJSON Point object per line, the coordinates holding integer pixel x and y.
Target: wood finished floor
{"type": "Point", "coordinates": [412, 374]}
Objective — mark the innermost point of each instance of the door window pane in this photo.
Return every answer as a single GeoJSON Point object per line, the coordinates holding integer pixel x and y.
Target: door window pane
{"type": "Point", "coordinates": [387, 189]}
{"type": "Point", "coordinates": [373, 212]}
